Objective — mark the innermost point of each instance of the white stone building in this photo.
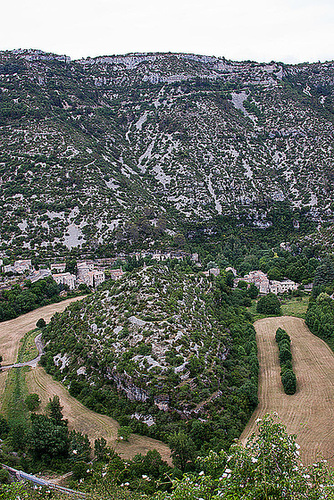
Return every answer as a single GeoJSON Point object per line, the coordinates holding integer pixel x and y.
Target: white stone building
{"type": "Point", "coordinates": [65, 279]}
{"type": "Point", "coordinates": [60, 267]}
{"type": "Point", "coordinates": [282, 286]}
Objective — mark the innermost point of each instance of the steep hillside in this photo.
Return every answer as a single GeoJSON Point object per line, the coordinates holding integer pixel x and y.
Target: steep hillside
{"type": "Point", "coordinates": [156, 346]}
{"type": "Point", "coordinates": [93, 145]}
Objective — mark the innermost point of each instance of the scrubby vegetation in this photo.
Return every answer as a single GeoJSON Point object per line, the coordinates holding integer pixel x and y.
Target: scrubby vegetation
{"type": "Point", "coordinates": [267, 467]}
{"type": "Point", "coordinates": [152, 143]}
{"type": "Point", "coordinates": [320, 313]}
{"type": "Point", "coordinates": [174, 347]}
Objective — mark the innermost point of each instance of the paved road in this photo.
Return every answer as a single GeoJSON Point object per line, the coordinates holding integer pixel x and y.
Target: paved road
{"type": "Point", "coordinates": [34, 362]}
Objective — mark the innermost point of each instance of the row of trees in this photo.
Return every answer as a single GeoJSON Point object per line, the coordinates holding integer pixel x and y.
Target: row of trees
{"type": "Point", "coordinates": [288, 376]}
{"type": "Point", "coordinates": [320, 318]}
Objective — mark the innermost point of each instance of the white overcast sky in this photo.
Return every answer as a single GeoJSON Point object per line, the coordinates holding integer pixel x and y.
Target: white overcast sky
{"type": "Point", "coordinates": [261, 30]}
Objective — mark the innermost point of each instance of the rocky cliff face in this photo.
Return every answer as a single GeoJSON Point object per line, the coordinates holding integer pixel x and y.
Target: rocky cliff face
{"type": "Point", "coordinates": [90, 145]}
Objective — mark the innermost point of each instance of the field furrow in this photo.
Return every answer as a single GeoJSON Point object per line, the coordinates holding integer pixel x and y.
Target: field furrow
{"type": "Point", "coordinates": [310, 412]}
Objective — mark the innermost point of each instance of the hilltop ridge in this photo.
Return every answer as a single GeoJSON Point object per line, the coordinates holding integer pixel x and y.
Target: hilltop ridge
{"type": "Point", "coordinates": [91, 147]}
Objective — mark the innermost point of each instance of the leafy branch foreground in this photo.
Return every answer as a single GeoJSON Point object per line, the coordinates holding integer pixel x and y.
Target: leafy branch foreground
{"type": "Point", "coordinates": [267, 468]}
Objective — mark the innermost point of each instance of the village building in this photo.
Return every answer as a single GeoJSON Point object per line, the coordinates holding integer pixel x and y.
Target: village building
{"type": "Point", "coordinates": [91, 278]}
{"type": "Point", "coordinates": [213, 271]}
{"type": "Point", "coordinates": [38, 275]}
{"type": "Point", "coordinates": [115, 274]}
{"type": "Point", "coordinates": [65, 279]}
{"type": "Point", "coordinates": [282, 286]}
{"type": "Point", "coordinates": [19, 267]}
{"type": "Point", "coordinates": [59, 267]}
{"type": "Point", "coordinates": [260, 280]}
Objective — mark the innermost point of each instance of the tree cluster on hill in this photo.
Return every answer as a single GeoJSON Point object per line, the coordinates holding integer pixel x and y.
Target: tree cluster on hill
{"type": "Point", "coordinates": [288, 376]}
{"type": "Point", "coordinates": [324, 277]}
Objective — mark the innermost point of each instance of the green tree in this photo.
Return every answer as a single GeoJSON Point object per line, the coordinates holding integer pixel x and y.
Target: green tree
{"type": "Point", "coordinates": [124, 432]}
{"type": "Point", "coordinates": [54, 411]}
{"type": "Point", "coordinates": [183, 449]}
{"type": "Point", "coordinates": [289, 382]}
{"type": "Point", "coordinates": [79, 446]}
{"type": "Point", "coordinates": [41, 323]}
{"type": "Point", "coordinates": [4, 427]}
{"type": "Point", "coordinates": [32, 401]}
{"type": "Point", "coordinates": [47, 439]}
{"type": "Point", "coordinates": [253, 291]}
{"type": "Point", "coordinates": [269, 304]}
{"type": "Point", "coordinates": [100, 448]}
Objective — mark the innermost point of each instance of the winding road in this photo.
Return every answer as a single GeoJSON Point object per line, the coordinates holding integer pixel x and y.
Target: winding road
{"type": "Point", "coordinates": [79, 417]}
{"type": "Point", "coordinates": [310, 412]}
{"type": "Point", "coordinates": [34, 362]}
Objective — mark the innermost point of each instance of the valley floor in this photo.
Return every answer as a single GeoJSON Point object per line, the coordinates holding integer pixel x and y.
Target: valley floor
{"type": "Point", "coordinates": [13, 330]}
{"type": "Point", "coordinates": [310, 412]}
{"type": "Point", "coordinates": [79, 417]}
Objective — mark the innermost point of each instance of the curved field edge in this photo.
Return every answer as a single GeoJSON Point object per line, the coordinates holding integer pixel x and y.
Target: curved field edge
{"type": "Point", "coordinates": [309, 412]}
{"type": "Point", "coordinates": [79, 417]}
{"type": "Point", "coordinates": [89, 422]}
{"type": "Point", "coordinates": [13, 330]}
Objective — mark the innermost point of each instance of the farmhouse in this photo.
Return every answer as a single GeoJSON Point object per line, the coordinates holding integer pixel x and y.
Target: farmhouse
{"type": "Point", "coordinates": [282, 286]}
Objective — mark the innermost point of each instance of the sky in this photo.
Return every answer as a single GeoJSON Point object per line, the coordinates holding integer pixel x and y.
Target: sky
{"type": "Point", "coordinates": [289, 31]}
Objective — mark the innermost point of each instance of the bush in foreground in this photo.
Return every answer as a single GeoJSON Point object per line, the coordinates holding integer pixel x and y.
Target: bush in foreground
{"type": "Point", "coordinates": [267, 468]}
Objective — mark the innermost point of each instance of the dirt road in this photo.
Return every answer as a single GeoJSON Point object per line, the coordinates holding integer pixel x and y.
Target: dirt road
{"type": "Point", "coordinates": [310, 412]}
{"type": "Point", "coordinates": [13, 330]}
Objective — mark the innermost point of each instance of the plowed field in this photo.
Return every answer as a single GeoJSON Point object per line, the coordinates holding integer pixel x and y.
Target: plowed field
{"type": "Point", "coordinates": [310, 412]}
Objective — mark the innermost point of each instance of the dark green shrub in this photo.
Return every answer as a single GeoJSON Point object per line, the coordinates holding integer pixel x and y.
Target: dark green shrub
{"type": "Point", "coordinates": [285, 355]}
{"type": "Point", "coordinates": [32, 401]}
{"type": "Point", "coordinates": [269, 304]}
{"type": "Point", "coordinates": [289, 382]}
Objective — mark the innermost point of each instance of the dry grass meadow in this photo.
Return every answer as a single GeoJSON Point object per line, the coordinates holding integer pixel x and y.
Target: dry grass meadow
{"type": "Point", "coordinates": [12, 331]}
{"type": "Point", "coordinates": [79, 417]}
{"type": "Point", "coordinates": [87, 421]}
{"type": "Point", "coordinates": [310, 412]}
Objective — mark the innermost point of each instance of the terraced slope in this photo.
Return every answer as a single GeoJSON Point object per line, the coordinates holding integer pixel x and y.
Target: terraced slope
{"type": "Point", "coordinates": [310, 412]}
